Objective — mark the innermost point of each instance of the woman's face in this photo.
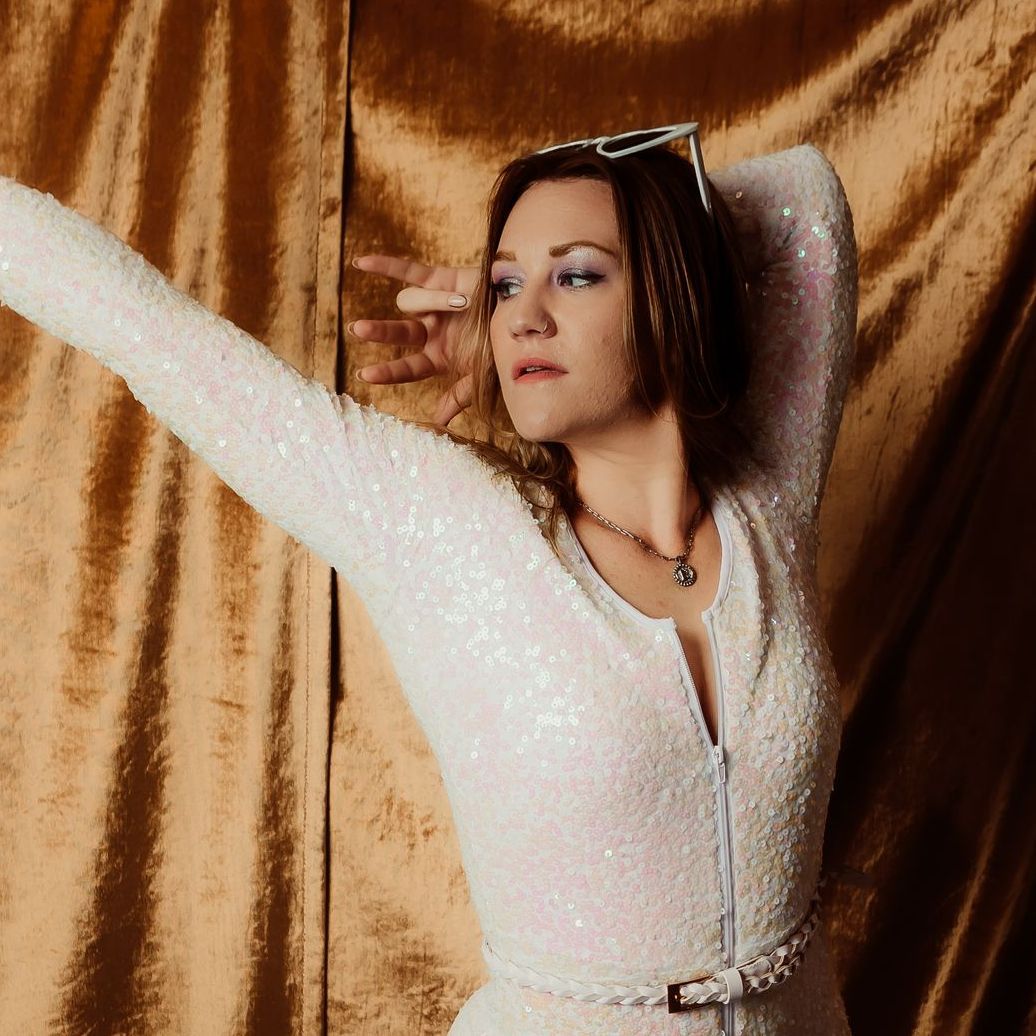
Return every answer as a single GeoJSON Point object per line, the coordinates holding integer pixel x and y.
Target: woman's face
{"type": "Point", "coordinates": [565, 308]}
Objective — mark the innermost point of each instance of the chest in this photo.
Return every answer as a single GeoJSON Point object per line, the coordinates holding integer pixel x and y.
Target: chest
{"type": "Point", "coordinates": [646, 582]}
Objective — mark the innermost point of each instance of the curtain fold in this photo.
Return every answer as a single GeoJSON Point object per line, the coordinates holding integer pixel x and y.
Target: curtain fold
{"type": "Point", "coordinates": [165, 669]}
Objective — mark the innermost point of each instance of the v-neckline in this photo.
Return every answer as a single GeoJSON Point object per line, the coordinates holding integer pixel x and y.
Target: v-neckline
{"type": "Point", "coordinates": [720, 515]}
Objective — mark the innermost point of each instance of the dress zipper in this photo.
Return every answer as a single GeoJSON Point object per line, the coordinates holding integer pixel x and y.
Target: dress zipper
{"type": "Point", "coordinates": [719, 760]}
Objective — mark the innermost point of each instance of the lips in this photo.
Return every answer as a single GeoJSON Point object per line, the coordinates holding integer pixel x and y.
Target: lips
{"type": "Point", "coordinates": [521, 367]}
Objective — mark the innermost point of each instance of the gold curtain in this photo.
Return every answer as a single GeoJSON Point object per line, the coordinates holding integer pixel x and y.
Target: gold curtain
{"type": "Point", "coordinates": [217, 812]}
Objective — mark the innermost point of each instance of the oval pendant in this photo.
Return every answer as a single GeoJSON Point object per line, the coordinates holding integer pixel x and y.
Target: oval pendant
{"type": "Point", "coordinates": [684, 574]}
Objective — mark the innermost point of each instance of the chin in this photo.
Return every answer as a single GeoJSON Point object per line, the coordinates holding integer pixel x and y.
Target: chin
{"type": "Point", "coordinates": [544, 429]}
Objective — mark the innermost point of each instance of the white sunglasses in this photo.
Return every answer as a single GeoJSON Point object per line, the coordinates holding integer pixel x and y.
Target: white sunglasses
{"type": "Point", "coordinates": [656, 136]}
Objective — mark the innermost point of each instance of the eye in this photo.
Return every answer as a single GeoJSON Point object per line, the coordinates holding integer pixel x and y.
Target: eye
{"type": "Point", "coordinates": [501, 292]}
{"type": "Point", "coordinates": [579, 275]}
{"type": "Point", "coordinates": [500, 286]}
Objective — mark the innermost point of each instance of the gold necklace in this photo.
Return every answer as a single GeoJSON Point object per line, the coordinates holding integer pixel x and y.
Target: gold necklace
{"type": "Point", "coordinates": [684, 574]}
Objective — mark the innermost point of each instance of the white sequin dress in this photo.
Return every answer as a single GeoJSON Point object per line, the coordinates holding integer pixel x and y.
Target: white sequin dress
{"type": "Point", "coordinates": [600, 844]}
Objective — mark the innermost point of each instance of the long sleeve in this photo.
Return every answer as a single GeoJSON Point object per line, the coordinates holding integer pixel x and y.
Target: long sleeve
{"type": "Point", "coordinates": [367, 492]}
{"type": "Point", "coordinates": [795, 223]}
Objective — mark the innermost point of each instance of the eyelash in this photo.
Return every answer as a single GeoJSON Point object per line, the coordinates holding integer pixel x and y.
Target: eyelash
{"type": "Point", "coordinates": [500, 285]}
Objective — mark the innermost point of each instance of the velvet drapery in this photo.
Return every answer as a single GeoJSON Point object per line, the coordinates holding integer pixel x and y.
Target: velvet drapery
{"type": "Point", "coordinates": [217, 813]}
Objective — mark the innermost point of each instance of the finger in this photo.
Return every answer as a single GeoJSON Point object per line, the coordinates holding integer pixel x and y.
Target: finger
{"type": "Point", "coordinates": [409, 270]}
{"type": "Point", "coordinates": [425, 300]}
{"type": "Point", "coordinates": [412, 367]}
{"type": "Point", "coordinates": [467, 280]}
{"type": "Point", "coordinates": [410, 333]}
{"type": "Point", "coordinates": [456, 399]}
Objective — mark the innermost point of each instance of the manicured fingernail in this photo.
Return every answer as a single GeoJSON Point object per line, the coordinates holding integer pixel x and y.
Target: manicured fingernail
{"type": "Point", "coordinates": [457, 301]}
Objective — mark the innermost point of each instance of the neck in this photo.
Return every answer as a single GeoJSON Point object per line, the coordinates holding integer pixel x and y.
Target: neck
{"type": "Point", "coordinates": [637, 481]}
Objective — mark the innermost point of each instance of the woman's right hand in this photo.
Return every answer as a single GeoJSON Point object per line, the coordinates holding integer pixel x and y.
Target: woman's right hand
{"type": "Point", "coordinates": [433, 328]}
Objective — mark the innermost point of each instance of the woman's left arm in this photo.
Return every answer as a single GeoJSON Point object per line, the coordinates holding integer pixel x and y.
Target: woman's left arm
{"type": "Point", "coordinates": [797, 227]}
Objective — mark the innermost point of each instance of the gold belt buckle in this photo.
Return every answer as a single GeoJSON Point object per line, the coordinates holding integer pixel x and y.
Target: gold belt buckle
{"type": "Point", "coordinates": [673, 999]}
{"type": "Point", "coordinates": [676, 1003]}
{"type": "Point", "coordinates": [732, 977]}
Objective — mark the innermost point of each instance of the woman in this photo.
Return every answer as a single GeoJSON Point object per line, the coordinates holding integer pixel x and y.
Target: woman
{"type": "Point", "coordinates": [605, 615]}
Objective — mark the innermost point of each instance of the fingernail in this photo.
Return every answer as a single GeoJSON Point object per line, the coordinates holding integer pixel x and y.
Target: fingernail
{"type": "Point", "coordinates": [356, 263]}
{"type": "Point", "coordinates": [359, 374]}
{"type": "Point", "coordinates": [457, 301]}
{"type": "Point", "coordinates": [349, 327]}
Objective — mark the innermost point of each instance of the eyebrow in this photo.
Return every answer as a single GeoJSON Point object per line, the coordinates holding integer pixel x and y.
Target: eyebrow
{"type": "Point", "coordinates": [556, 250]}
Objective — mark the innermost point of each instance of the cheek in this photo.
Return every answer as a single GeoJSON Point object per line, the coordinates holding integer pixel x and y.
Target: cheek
{"type": "Point", "coordinates": [605, 381]}
{"type": "Point", "coordinates": [614, 358]}
{"type": "Point", "coordinates": [610, 362]}
{"type": "Point", "coordinates": [497, 333]}
{"type": "Point", "coordinates": [495, 341]}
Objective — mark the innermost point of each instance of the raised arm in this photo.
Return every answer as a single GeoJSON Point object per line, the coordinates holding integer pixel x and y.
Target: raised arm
{"type": "Point", "coordinates": [356, 486]}
{"type": "Point", "coordinates": [795, 223]}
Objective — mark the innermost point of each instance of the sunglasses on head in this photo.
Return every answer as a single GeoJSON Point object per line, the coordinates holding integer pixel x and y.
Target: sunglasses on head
{"type": "Point", "coordinates": [641, 140]}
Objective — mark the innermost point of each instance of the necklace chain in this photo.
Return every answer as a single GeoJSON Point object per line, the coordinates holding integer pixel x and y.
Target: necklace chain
{"type": "Point", "coordinates": [683, 573]}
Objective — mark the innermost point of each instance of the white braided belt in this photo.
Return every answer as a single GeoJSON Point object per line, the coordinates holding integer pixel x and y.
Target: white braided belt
{"type": "Point", "coordinates": [750, 976]}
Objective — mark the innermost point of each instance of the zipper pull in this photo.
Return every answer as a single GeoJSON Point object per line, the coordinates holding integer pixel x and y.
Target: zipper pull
{"type": "Point", "coordinates": [720, 764]}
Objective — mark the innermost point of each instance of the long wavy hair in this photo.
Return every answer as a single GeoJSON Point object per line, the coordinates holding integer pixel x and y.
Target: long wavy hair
{"type": "Point", "coordinates": [685, 325]}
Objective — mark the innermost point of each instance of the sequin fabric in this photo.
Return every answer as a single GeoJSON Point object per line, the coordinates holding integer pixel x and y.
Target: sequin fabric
{"type": "Point", "coordinates": [599, 842]}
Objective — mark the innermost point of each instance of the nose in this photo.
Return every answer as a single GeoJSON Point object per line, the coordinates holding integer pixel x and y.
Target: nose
{"type": "Point", "coordinates": [528, 315]}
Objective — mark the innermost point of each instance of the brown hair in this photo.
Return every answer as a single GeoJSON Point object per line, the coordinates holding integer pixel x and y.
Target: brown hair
{"type": "Point", "coordinates": [685, 322]}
